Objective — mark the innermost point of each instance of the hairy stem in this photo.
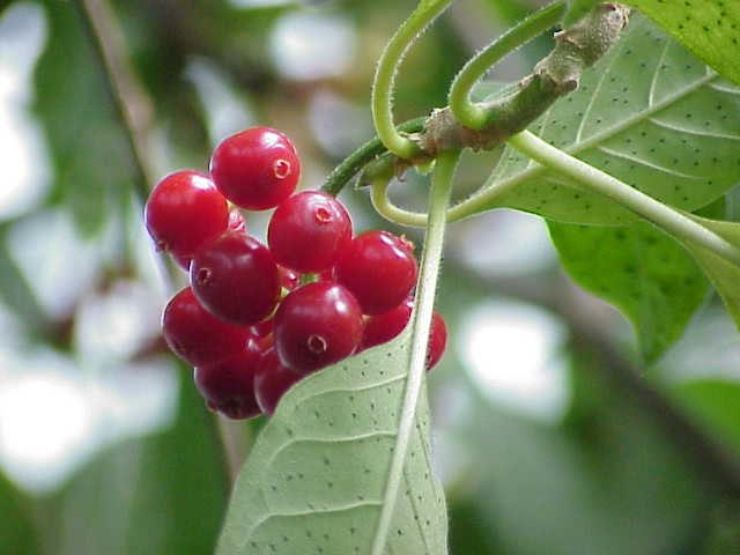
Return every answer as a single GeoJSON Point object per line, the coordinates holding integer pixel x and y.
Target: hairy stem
{"type": "Point", "coordinates": [666, 218]}
{"type": "Point", "coordinates": [464, 109]}
{"type": "Point", "coordinates": [385, 76]}
{"type": "Point", "coordinates": [391, 212]}
{"type": "Point", "coordinates": [422, 318]}
{"type": "Point", "coordinates": [576, 49]}
{"type": "Point", "coordinates": [365, 154]}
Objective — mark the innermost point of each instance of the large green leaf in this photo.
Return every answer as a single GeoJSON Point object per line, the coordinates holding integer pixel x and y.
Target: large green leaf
{"type": "Point", "coordinates": [92, 165]}
{"type": "Point", "coordinates": [645, 273]}
{"type": "Point", "coordinates": [709, 28]}
{"type": "Point", "coordinates": [648, 113]}
{"type": "Point", "coordinates": [315, 480]}
{"type": "Point", "coordinates": [724, 275]}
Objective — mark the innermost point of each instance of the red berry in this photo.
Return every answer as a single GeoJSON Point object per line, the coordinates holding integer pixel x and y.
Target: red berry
{"type": "Point", "coordinates": [288, 278]}
{"type": "Point", "coordinates": [185, 211]}
{"type": "Point", "coordinates": [236, 279]}
{"type": "Point", "coordinates": [236, 223]}
{"type": "Point", "coordinates": [263, 328]}
{"type": "Point", "coordinates": [379, 269]}
{"type": "Point", "coordinates": [183, 260]}
{"type": "Point", "coordinates": [308, 231]}
{"type": "Point", "coordinates": [256, 169]}
{"type": "Point", "coordinates": [228, 386]}
{"type": "Point", "coordinates": [272, 381]}
{"type": "Point", "coordinates": [197, 336]}
{"type": "Point", "coordinates": [437, 340]}
{"type": "Point", "coordinates": [384, 327]}
{"type": "Point", "coordinates": [317, 325]}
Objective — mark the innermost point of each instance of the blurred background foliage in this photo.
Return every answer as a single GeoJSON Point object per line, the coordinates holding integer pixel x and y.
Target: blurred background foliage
{"type": "Point", "coordinates": [545, 440]}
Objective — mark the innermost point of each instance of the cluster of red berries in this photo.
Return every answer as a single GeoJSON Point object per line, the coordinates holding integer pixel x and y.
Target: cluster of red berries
{"type": "Point", "coordinates": [257, 318]}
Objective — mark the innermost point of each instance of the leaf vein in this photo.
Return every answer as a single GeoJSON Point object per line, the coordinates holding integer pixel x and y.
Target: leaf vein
{"type": "Point", "coordinates": [643, 162]}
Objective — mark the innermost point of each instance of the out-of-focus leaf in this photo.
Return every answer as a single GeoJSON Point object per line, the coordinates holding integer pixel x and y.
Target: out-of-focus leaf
{"type": "Point", "coordinates": [724, 275]}
{"type": "Point", "coordinates": [609, 482]}
{"type": "Point", "coordinates": [164, 494]}
{"type": "Point", "coordinates": [648, 113]}
{"type": "Point", "coordinates": [715, 403]}
{"type": "Point", "coordinates": [15, 292]}
{"type": "Point", "coordinates": [315, 479]}
{"type": "Point", "coordinates": [17, 531]}
{"type": "Point", "coordinates": [92, 163]}
{"type": "Point", "coordinates": [645, 273]}
{"type": "Point", "coordinates": [709, 28]}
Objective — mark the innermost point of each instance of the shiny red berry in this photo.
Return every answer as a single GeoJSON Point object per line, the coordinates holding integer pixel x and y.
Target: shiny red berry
{"type": "Point", "coordinates": [384, 327]}
{"type": "Point", "coordinates": [437, 340]}
{"type": "Point", "coordinates": [272, 380]}
{"type": "Point", "coordinates": [256, 169]}
{"type": "Point", "coordinates": [197, 336]}
{"type": "Point", "coordinates": [228, 386]}
{"type": "Point", "coordinates": [308, 231]}
{"type": "Point", "coordinates": [236, 223]}
{"type": "Point", "coordinates": [288, 278]}
{"type": "Point", "coordinates": [379, 269]}
{"type": "Point", "coordinates": [185, 211]}
{"type": "Point", "coordinates": [317, 325]}
{"type": "Point", "coordinates": [236, 279]}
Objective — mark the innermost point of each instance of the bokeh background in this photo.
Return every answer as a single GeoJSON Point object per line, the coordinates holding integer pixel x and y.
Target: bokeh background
{"type": "Point", "coordinates": [545, 440]}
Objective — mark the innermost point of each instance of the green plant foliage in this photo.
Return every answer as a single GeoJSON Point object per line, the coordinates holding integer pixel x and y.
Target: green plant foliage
{"type": "Point", "coordinates": [709, 28]}
{"type": "Point", "coordinates": [164, 494]}
{"type": "Point", "coordinates": [79, 120]}
{"type": "Point", "coordinates": [542, 488]}
{"type": "Point", "coordinates": [724, 275]}
{"type": "Point", "coordinates": [16, 293]}
{"type": "Point", "coordinates": [315, 480]}
{"type": "Point", "coordinates": [648, 113]}
{"type": "Point", "coordinates": [16, 523]}
{"type": "Point", "coordinates": [645, 273]}
{"type": "Point", "coordinates": [715, 403]}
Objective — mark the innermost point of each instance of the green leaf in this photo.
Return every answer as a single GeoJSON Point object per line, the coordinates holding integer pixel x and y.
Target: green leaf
{"type": "Point", "coordinates": [92, 165]}
{"type": "Point", "coordinates": [648, 113]}
{"type": "Point", "coordinates": [17, 531]}
{"type": "Point", "coordinates": [645, 273]}
{"type": "Point", "coordinates": [316, 476]}
{"type": "Point", "coordinates": [709, 28]}
{"type": "Point", "coordinates": [716, 404]}
{"type": "Point", "coordinates": [162, 494]}
{"type": "Point", "coordinates": [724, 275]}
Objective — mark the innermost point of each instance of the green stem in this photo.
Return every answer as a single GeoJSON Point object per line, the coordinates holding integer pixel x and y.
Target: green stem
{"type": "Point", "coordinates": [465, 110]}
{"type": "Point", "coordinates": [391, 212]}
{"type": "Point", "coordinates": [668, 219]}
{"type": "Point", "coordinates": [385, 76]}
{"type": "Point", "coordinates": [422, 318]}
{"type": "Point", "coordinates": [365, 154]}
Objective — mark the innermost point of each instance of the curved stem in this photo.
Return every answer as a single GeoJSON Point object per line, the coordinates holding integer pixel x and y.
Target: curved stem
{"type": "Point", "coordinates": [385, 75]}
{"type": "Point", "coordinates": [668, 219]}
{"type": "Point", "coordinates": [465, 110]}
{"type": "Point", "coordinates": [422, 319]}
{"type": "Point", "coordinates": [391, 212]}
{"type": "Point", "coordinates": [365, 154]}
